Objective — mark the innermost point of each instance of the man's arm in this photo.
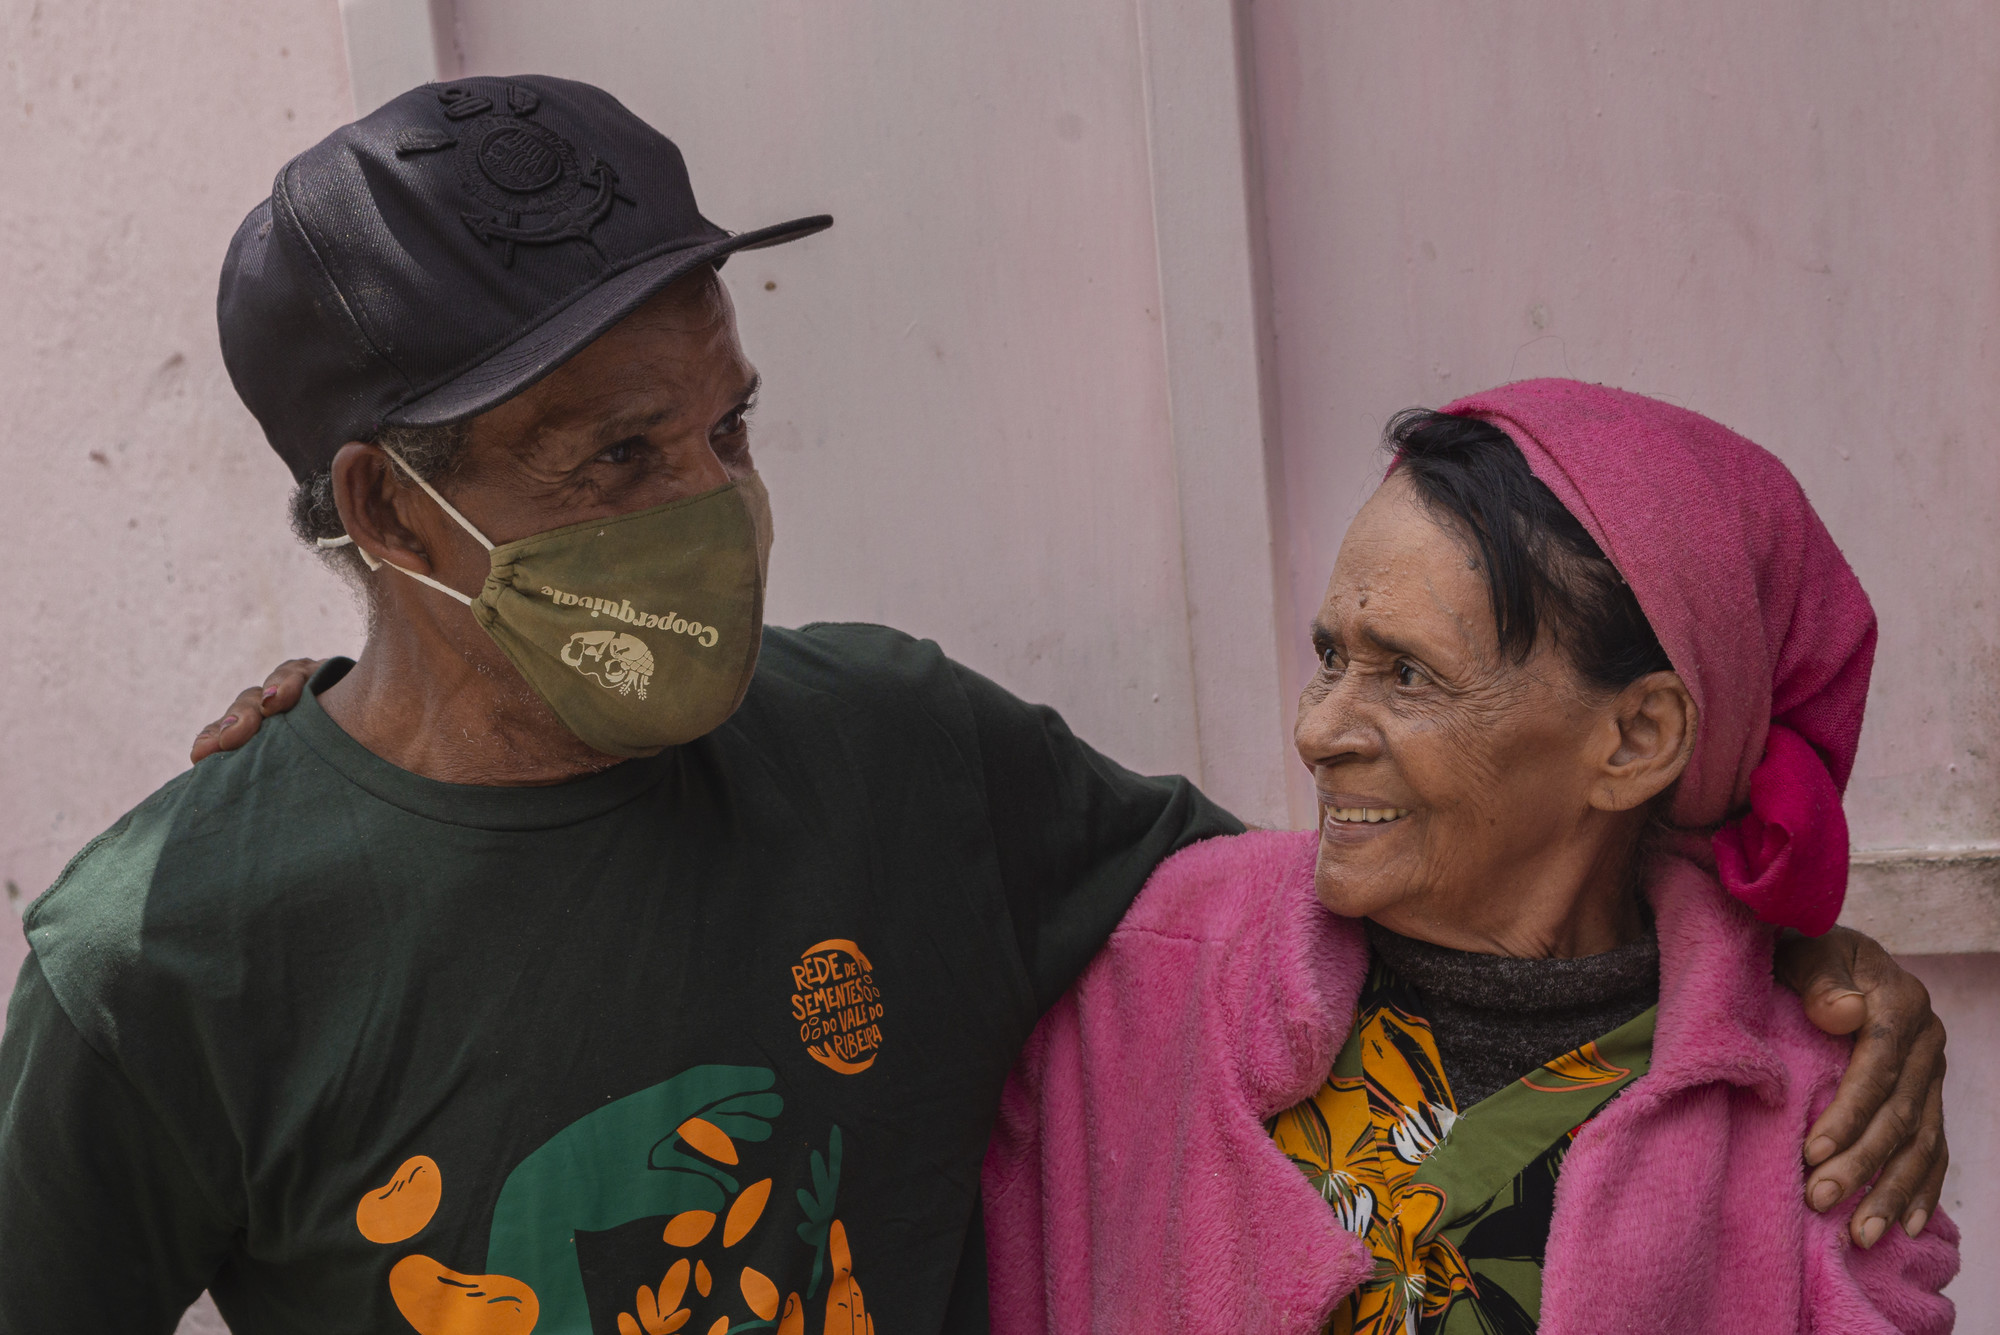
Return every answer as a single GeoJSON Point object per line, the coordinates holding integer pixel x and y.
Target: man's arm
{"type": "Point", "coordinates": [1887, 1119]}
{"type": "Point", "coordinates": [1076, 834]}
{"type": "Point", "coordinates": [102, 1224]}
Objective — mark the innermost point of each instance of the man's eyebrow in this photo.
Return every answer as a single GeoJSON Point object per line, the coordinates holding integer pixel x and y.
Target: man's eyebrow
{"type": "Point", "coordinates": [614, 429]}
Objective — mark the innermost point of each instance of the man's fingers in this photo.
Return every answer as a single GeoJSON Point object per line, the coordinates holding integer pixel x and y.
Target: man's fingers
{"type": "Point", "coordinates": [1926, 1202]}
{"type": "Point", "coordinates": [1820, 970]}
{"type": "Point", "coordinates": [1886, 1122]}
{"type": "Point", "coordinates": [1835, 1006]}
{"type": "Point", "coordinates": [1893, 1198]}
{"type": "Point", "coordinates": [1875, 1070]}
{"type": "Point", "coordinates": [1897, 1053]}
{"type": "Point", "coordinates": [286, 685]}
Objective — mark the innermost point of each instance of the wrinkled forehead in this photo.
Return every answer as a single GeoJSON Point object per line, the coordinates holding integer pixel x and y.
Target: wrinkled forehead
{"type": "Point", "coordinates": [1401, 564]}
{"type": "Point", "coordinates": [1394, 534]}
{"type": "Point", "coordinates": [666, 364]}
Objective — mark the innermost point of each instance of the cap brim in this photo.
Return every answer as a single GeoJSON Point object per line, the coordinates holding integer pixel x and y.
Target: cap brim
{"type": "Point", "coordinates": [567, 332]}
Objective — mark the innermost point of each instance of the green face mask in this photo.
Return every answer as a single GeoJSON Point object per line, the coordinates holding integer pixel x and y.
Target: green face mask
{"type": "Point", "coordinates": [641, 632]}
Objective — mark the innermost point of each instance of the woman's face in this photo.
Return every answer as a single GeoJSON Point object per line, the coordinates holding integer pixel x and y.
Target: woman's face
{"type": "Point", "coordinates": [1462, 795]}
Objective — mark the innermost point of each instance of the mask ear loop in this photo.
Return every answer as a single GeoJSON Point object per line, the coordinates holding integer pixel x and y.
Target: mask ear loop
{"type": "Point", "coordinates": [374, 562]}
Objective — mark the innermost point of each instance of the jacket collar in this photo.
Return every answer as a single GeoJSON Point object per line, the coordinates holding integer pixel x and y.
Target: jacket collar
{"type": "Point", "coordinates": [1715, 987]}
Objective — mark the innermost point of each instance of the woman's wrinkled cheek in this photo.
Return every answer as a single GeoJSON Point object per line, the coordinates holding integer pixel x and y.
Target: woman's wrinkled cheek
{"type": "Point", "coordinates": [1359, 879]}
{"type": "Point", "coordinates": [1473, 737]}
{"type": "Point", "coordinates": [1452, 756]}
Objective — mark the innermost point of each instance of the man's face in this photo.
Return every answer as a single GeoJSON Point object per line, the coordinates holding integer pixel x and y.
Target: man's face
{"type": "Point", "coordinates": [652, 412]}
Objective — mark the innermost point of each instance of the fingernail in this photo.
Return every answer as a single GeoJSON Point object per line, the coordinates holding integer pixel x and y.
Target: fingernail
{"type": "Point", "coordinates": [1915, 1223]}
{"type": "Point", "coordinates": [1871, 1232]}
{"type": "Point", "coordinates": [270, 691]}
{"type": "Point", "coordinates": [229, 721]}
{"type": "Point", "coordinates": [1824, 1193]}
{"type": "Point", "coordinates": [1820, 1148]}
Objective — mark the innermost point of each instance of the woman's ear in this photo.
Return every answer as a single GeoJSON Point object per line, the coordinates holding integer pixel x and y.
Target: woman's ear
{"type": "Point", "coordinates": [1655, 717]}
{"type": "Point", "coordinates": [370, 499]}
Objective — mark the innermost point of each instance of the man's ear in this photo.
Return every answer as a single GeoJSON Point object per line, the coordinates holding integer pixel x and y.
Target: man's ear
{"type": "Point", "coordinates": [1654, 719]}
{"type": "Point", "coordinates": [375, 508]}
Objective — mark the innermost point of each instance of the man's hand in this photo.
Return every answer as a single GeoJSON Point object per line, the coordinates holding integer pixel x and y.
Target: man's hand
{"type": "Point", "coordinates": [1888, 1114]}
{"type": "Point", "coordinates": [280, 691]}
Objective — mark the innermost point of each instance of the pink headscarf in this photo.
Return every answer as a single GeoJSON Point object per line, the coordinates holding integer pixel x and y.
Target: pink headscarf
{"type": "Point", "coordinates": [1755, 606]}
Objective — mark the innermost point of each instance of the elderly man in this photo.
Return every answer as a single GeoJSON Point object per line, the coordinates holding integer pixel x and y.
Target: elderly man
{"type": "Point", "coordinates": [586, 956]}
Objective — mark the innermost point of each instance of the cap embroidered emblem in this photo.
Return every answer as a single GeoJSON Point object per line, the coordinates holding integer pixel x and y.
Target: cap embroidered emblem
{"type": "Point", "coordinates": [536, 186]}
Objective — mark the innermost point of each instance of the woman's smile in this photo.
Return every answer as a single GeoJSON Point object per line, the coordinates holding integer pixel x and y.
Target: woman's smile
{"type": "Point", "coordinates": [1348, 818]}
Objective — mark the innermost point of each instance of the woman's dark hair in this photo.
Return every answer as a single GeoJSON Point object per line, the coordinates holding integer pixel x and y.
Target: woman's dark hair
{"type": "Point", "coordinates": [1541, 564]}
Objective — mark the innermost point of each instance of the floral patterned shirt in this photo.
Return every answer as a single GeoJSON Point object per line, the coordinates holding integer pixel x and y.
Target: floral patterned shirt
{"type": "Point", "coordinates": [1455, 1204]}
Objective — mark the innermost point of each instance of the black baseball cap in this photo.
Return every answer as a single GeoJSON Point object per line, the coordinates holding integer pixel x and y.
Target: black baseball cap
{"type": "Point", "coordinates": [439, 256]}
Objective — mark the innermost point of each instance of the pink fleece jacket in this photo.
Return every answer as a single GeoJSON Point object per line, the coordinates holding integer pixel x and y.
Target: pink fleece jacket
{"type": "Point", "coordinates": [1131, 1185]}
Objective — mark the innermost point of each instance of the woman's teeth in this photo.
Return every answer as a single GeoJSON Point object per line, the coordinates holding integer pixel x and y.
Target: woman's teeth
{"type": "Point", "coordinates": [1366, 815]}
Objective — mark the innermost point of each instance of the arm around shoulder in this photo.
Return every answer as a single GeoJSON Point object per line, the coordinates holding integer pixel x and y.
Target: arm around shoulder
{"type": "Point", "coordinates": [1076, 833]}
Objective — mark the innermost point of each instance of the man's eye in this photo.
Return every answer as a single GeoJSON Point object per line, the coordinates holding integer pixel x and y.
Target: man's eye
{"type": "Point", "coordinates": [1408, 673]}
{"type": "Point", "coordinates": [623, 451]}
{"type": "Point", "coordinates": [1329, 660]}
{"type": "Point", "coordinates": [731, 425]}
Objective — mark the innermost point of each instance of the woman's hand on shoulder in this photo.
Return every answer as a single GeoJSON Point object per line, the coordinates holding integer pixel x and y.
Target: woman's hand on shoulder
{"type": "Point", "coordinates": [1888, 1115]}
{"type": "Point", "coordinates": [280, 691]}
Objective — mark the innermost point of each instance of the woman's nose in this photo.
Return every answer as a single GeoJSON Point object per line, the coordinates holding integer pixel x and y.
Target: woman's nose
{"type": "Point", "coordinates": [1334, 725]}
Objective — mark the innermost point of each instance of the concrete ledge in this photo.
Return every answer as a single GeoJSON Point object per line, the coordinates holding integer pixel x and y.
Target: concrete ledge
{"type": "Point", "coordinates": [1927, 901]}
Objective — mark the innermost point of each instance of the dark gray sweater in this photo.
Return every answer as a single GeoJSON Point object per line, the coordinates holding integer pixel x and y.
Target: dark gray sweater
{"type": "Point", "coordinates": [1497, 1018]}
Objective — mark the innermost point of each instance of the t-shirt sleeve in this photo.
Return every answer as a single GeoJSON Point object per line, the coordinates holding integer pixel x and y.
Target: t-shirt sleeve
{"type": "Point", "coordinates": [1077, 834]}
{"type": "Point", "coordinates": [102, 1224]}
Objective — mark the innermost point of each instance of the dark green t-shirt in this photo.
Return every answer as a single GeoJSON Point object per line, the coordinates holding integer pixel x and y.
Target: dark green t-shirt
{"type": "Point", "coordinates": [717, 1034]}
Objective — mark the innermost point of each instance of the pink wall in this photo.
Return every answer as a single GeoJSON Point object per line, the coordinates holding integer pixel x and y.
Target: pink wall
{"type": "Point", "coordinates": [144, 514]}
{"type": "Point", "coordinates": [1784, 215]}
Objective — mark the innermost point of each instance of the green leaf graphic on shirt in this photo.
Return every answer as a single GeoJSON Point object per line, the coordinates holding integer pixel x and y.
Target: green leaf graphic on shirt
{"type": "Point", "coordinates": [820, 1204]}
{"type": "Point", "coordinates": [620, 1163]}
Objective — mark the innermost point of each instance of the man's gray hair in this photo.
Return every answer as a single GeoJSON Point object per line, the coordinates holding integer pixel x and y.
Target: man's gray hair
{"type": "Point", "coordinates": [434, 451]}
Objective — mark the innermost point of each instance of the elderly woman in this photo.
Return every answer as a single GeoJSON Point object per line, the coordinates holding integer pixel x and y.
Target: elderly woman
{"type": "Point", "coordinates": [1498, 1047]}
